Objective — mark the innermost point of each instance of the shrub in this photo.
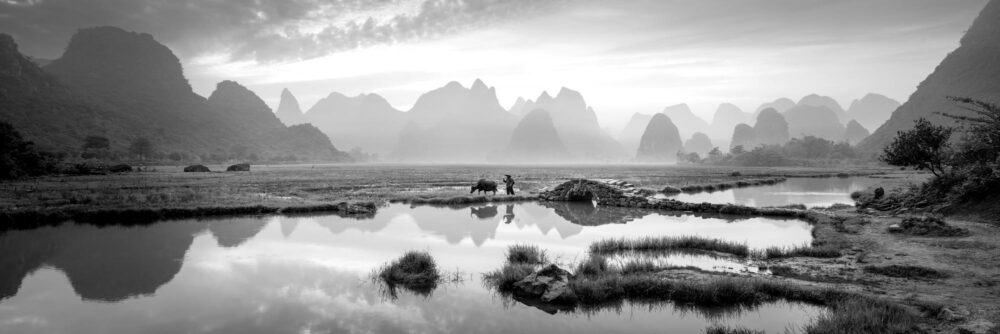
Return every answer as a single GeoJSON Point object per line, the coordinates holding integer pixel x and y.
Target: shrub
{"type": "Point", "coordinates": [503, 279]}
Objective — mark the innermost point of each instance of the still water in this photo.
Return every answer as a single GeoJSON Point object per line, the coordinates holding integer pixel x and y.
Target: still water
{"type": "Point", "coordinates": [811, 192]}
{"type": "Point", "coordinates": [311, 274]}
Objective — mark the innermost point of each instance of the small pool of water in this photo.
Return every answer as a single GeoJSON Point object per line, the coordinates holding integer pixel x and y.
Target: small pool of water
{"type": "Point", "coordinates": [811, 192]}
{"type": "Point", "coordinates": [311, 274]}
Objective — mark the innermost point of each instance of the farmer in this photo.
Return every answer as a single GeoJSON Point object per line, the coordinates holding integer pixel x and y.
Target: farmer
{"type": "Point", "coordinates": [509, 181]}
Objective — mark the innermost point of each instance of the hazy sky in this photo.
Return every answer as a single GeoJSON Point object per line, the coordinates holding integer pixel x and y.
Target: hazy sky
{"type": "Point", "coordinates": [624, 56]}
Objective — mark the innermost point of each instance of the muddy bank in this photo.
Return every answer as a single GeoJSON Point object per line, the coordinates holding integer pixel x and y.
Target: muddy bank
{"type": "Point", "coordinates": [112, 217]}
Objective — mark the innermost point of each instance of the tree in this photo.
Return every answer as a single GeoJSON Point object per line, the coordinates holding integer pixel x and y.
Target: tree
{"type": "Point", "coordinates": [19, 157]}
{"type": "Point", "coordinates": [142, 148]}
{"type": "Point", "coordinates": [737, 150]}
{"type": "Point", "coordinates": [714, 152]}
{"type": "Point", "coordinates": [96, 143]}
{"type": "Point", "coordinates": [923, 147]}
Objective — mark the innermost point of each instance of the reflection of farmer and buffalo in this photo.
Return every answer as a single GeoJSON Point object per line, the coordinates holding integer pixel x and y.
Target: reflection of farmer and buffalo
{"type": "Point", "coordinates": [486, 186]}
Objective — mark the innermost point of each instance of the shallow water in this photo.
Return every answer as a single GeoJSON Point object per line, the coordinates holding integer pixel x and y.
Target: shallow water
{"type": "Point", "coordinates": [811, 192]}
{"type": "Point", "coordinates": [311, 274]}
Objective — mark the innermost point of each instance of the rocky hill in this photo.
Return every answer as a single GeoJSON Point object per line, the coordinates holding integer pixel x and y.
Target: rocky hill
{"type": "Point", "coordinates": [855, 133]}
{"type": "Point", "coordinates": [686, 120]}
{"type": "Point", "coordinates": [972, 70]}
{"type": "Point", "coordinates": [535, 139]}
{"type": "Point", "coordinates": [366, 121]}
{"type": "Point", "coordinates": [771, 128]}
{"type": "Point", "coordinates": [815, 100]}
{"type": "Point", "coordinates": [632, 133]}
{"type": "Point", "coordinates": [818, 121]}
{"type": "Point", "coordinates": [698, 143]}
{"type": "Point", "coordinates": [726, 117]}
{"type": "Point", "coordinates": [872, 110]}
{"type": "Point", "coordinates": [660, 142]}
{"type": "Point", "coordinates": [125, 85]}
{"type": "Point", "coordinates": [289, 111]}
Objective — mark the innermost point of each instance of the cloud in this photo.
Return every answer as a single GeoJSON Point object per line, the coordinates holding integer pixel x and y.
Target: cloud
{"type": "Point", "coordinates": [262, 30]}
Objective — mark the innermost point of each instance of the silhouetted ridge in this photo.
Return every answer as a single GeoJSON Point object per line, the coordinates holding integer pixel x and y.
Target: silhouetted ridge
{"type": "Point", "coordinates": [855, 133]}
{"type": "Point", "coordinates": [771, 128]}
{"type": "Point", "coordinates": [872, 110]}
{"type": "Point", "coordinates": [289, 111]}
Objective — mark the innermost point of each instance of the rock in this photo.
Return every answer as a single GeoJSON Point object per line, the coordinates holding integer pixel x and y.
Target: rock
{"type": "Point", "coordinates": [978, 326]}
{"type": "Point", "coordinates": [243, 167]}
{"type": "Point", "coordinates": [549, 283]}
{"type": "Point", "coordinates": [879, 192]}
{"type": "Point", "coordinates": [953, 314]}
{"type": "Point", "coordinates": [122, 168]}
{"type": "Point", "coordinates": [196, 169]}
{"type": "Point", "coordinates": [670, 190]}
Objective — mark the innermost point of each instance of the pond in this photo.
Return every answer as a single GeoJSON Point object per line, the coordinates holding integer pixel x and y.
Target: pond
{"type": "Point", "coordinates": [281, 274]}
{"type": "Point", "coordinates": [811, 192]}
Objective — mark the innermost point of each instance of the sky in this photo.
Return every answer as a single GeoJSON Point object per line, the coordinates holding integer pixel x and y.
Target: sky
{"type": "Point", "coordinates": [624, 56]}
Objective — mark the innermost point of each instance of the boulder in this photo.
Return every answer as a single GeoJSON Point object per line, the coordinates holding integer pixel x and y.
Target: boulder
{"type": "Point", "coordinates": [670, 190]}
{"type": "Point", "coordinates": [549, 283]}
{"type": "Point", "coordinates": [243, 167]}
{"type": "Point", "coordinates": [122, 168]}
{"type": "Point", "coordinates": [196, 169]}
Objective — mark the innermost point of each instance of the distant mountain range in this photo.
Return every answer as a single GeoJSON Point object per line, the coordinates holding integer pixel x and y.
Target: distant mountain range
{"type": "Point", "coordinates": [125, 85]}
{"type": "Point", "coordinates": [972, 70]}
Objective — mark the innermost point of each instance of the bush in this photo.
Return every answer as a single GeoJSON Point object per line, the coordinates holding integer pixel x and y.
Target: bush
{"type": "Point", "coordinates": [929, 226]}
{"type": "Point", "coordinates": [731, 330]}
{"type": "Point", "coordinates": [593, 266]}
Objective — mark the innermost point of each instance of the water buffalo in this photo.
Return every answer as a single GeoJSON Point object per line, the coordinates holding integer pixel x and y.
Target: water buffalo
{"type": "Point", "coordinates": [485, 185]}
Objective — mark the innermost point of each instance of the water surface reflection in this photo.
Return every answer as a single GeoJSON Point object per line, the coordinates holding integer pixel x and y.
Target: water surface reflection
{"type": "Point", "coordinates": [310, 274]}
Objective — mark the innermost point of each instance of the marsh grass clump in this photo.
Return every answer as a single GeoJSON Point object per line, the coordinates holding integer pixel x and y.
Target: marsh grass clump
{"type": "Point", "coordinates": [731, 330]}
{"type": "Point", "coordinates": [525, 254]}
{"type": "Point", "coordinates": [800, 251]}
{"type": "Point", "coordinates": [653, 244]}
{"type": "Point", "coordinates": [415, 270]}
{"type": "Point", "coordinates": [595, 265]}
{"type": "Point", "coordinates": [903, 271]}
{"type": "Point", "coordinates": [503, 279]}
{"type": "Point", "coordinates": [863, 315]}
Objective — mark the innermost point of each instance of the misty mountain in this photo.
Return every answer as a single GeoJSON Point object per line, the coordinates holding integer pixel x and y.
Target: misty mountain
{"type": "Point", "coordinates": [744, 135]}
{"type": "Point", "coordinates": [819, 121]}
{"type": "Point", "coordinates": [698, 143]}
{"type": "Point", "coordinates": [289, 111]}
{"type": "Point", "coordinates": [660, 142]}
{"type": "Point", "coordinates": [535, 139]}
{"type": "Point", "coordinates": [632, 133]}
{"type": "Point", "coordinates": [521, 107]}
{"type": "Point", "coordinates": [367, 121]}
{"type": "Point", "coordinates": [578, 126]}
{"type": "Point", "coordinates": [454, 124]}
{"type": "Point", "coordinates": [855, 133]}
{"type": "Point", "coordinates": [771, 128]}
{"type": "Point", "coordinates": [686, 121]}
{"type": "Point", "coordinates": [872, 110]}
{"type": "Point", "coordinates": [815, 100]}
{"type": "Point", "coordinates": [726, 117]}
{"type": "Point", "coordinates": [779, 105]}
{"type": "Point", "coordinates": [972, 70]}
{"type": "Point", "coordinates": [129, 85]}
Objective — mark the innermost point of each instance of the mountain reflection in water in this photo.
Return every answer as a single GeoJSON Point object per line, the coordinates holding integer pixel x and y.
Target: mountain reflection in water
{"type": "Point", "coordinates": [275, 274]}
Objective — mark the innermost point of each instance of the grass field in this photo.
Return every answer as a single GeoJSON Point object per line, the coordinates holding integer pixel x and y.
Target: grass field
{"type": "Point", "coordinates": [300, 185]}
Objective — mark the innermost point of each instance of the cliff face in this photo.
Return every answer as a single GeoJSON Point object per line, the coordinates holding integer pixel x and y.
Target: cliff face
{"type": "Point", "coordinates": [972, 70]}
